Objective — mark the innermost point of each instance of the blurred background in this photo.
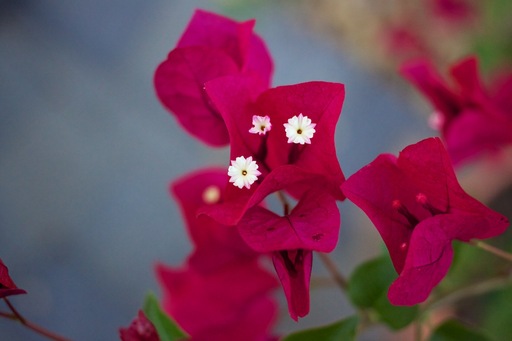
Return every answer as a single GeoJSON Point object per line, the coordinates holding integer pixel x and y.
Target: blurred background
{"type": "Point", "coordinates": [87, 151]}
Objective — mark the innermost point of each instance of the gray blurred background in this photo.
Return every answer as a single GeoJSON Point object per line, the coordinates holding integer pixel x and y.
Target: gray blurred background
{"type": "Point", "coordinates": [87, 152]}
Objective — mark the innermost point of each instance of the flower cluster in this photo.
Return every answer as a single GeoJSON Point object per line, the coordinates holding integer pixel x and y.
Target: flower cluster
{"type": "Point", "coordinates": [217, 83]}
{"type": "Point", "coordinates": [281, 139]}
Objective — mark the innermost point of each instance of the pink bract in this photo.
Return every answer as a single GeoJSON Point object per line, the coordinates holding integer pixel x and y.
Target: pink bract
{"type": "Point", "coordinates": [294, 270]}
{"type": "Point", "coordinates": [473, 120]}
{"type": "Point", "coordinates": [320, 101]}
{"type": "Point", "coordinates": [214, 244]}
{"type": "Point", "coordinates": [222, 291]}
{"type": "Point", "coordinates": [7, 286]}
{"type": "Point", "coordinates": [211, 46]}
{"type": "Point", "coordinates": [418, 207]}
{"type": "Point", "coordinates": [141, 329]}
{"type": "Point", "coordinates": [220, 302]}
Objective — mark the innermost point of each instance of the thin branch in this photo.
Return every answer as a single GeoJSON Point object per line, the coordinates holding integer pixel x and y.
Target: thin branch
{"type": "Point", "coordinates": [469, 291]}
{"type": "Point", "coordinates": [333, 270]}
{"type": "Point", "coordinates": [492, 249]}
{"type": "Point", "coordinates": [8, 315]}
{"type": "Point", "coordinates": [34, 327]}
{"type": "Point", "coordinates": [14, 311]}
{"type": "Point", "coordinates": [418, 330]}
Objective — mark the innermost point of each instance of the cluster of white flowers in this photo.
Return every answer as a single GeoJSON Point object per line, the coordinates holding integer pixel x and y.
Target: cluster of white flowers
{"type": "Point", "coordinates": [244, 171]}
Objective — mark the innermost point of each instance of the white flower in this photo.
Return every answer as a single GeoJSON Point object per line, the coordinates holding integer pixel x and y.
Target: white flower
{"type": "Point", "coordinates": [261, 125]}
{"type": "Point", "coordinates": [299, 129]}
{"type": "Point", "coordinates": [243, 172]}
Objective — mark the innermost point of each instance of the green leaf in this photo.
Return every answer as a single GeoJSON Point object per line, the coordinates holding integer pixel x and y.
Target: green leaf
{"type": "Point", "coordinates": [452, 330]}
{"type": "Point", "coordinates": [167, 329]}
{"type": "Point", "coordinates": [341, 330]}
{"type": "Point", "coordinates": [497, 314]}
{"type": "Point", "coordinates": [369, 280]}
{"type": "Point", "coordinates": [396, 317]}
{"type": "Point", "coordinates": [368, 287]}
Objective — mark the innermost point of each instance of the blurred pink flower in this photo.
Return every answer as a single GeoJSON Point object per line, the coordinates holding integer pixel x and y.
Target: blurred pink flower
{"type": "Point", "coordinates": [472, 120]}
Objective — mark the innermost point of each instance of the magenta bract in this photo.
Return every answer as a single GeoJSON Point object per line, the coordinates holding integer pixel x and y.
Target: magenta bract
{"type": "Point", "coordinates": [212, 46]}
{"type": "Point", "coordinates": [294, 270]}
{"type": "Point", "coordinates": [418, 207]}
{"type": "Point", "coordinates": [472, 120]}
{"type": "Point", "coordinates": [222, 291]}
{"type": "Point", "coordinates": [214, 244]}
{"type": "Point", "coordinates": [320, 101]}
{"type": "Point", "coordinates": [313, 224]}
{"type": "Point", "coordinates": [7, 286]}
{"type": "Point", "coordinates": [141, 329]}
{"type": "Point", "coordinates": [219, 302]}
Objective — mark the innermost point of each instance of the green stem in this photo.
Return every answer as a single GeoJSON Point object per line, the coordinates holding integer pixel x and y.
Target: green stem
{"type": "Point", "coordinates": [34, 327]}
{"type": "Point", "coordinates": [492, 249]}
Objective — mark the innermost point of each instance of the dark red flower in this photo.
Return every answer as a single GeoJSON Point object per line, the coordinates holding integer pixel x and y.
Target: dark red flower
{"type": "Point", "coordinates": [141, 329]}
{"type": "Point", "coordinates": [418, 207]}
{"type": "Point", "coordinates": [222, 292]}
{"type": "Point", "coordinates": [471, 120]}
{"type": "Point", "coordinates": [7, 286]}
{"type": "Point", "coordinates": [211, 46]}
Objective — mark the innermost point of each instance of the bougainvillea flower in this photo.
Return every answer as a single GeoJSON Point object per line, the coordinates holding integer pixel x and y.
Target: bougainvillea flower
{"type": "Point", "coordinates": [211, 46]}
{"type": "Point", "coordinates": [222, 292]}
{"type": "Point", "coordinates": [472, 121]}
{"type": "Point", "coordinates": [321, 102]}
{"type": "Point", "coordinates": [418, 207]}
{"type": "Point", "coordinates": [312, 225]}
{"type": "Point", "coordinates": [7, 286]}
{"type": "Point", "coordinates": [141, 329]}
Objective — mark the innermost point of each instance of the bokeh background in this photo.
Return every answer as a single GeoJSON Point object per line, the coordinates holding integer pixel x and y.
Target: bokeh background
{"type": "Point", "coordinates": [87, 152]}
